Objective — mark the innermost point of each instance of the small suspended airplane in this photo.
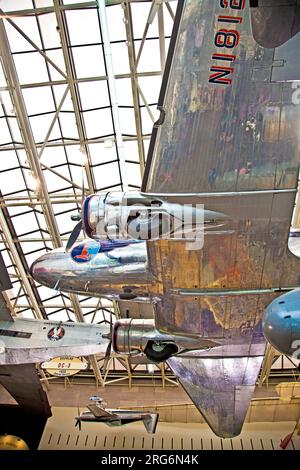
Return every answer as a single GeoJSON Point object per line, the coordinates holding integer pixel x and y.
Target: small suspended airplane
{"type": "Point", "coordinates": [115, 417]}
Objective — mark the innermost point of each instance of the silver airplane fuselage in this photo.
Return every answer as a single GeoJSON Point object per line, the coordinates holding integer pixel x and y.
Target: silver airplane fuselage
{"type": "Point", "coordinates": [105, 275]}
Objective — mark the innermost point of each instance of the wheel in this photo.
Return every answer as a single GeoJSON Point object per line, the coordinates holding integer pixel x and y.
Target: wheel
{"type": "Point", "coordinates": [160, 352]}
{"type": "Point", "coordinates": [127, 296]}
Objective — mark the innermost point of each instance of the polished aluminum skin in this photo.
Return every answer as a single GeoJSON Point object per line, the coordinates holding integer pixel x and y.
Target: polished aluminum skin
{"type": "Point", "coordinates": [104, 275]}
{"type": "Point", "coordinates": [118, 215]}
{"type": "Point", "coordinates": [29, 341]}
{"type": "Point", "coordinates": [131, 336]}
{"type": "Point", "coordinates": [227, 138]}
{"type": "Point", "coordinates": [281, 324]}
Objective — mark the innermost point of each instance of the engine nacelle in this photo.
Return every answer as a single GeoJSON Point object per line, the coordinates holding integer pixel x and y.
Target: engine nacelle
{"type": "Point", "coordinates": [274, 22]}
{"type": "Point", "coordinates": [131, 215]}
{"type": "Point", "coordinates": [133, 337]}
{"type": "Point", "coordinates": [281, 324]}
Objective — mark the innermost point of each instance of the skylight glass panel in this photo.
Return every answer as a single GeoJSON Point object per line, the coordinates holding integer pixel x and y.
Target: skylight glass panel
{"type": "Point", "coordinates": [107, 174]}
{"type": "Point", "coordinates": [147, 123]}
{"type": "Point", "coordinates": [140, 13]}
{"type": "Point", "coordinates": [131, 150]}
{"type": "Point", "coordinates": [88, 61]}
{"type": "Point", "coordinates": [54, 182]}
{"type": "Point", "coordinates": [50, 32]}
{"type": "Point", "coordinates": [8, 159]}
{"type": "Point", "coordinates": [150, 57]}
{"type": "Point", "coordinates": [14, 129]}
{"type": "Point", "coordinates": [68, 125]}
{"type": "Point", "coordinates": [68, 2]}
{"type": "Point", "coordinates": [38, 100]}
{"type": "Point", "coordinates": [77, 25]}
{"type": "Point", "coordinates": [64, 222]}
{"type": "Point", "coordinates": [116, 26]}
{"type": "Point", "coordinates": [43, 3]}
{"type": "Point", "coordinates": [12, 181]}
{"type": "Point", "coordinates": [93, 94]}
{"type": "Point", "coordinates": [98, 123]}
{"type": "Point", "coordinates": [127, 121]}
{"type": "Point", "coordinates": [25, 222]}
{"type": "Point", "coordinates": [78, 175]}
{"type": "Point", "coordinates": [29, 27]}
{"type": "Point", "coordinates": [53, 156]}
{"type": "Point", "coordinates": [59, 91]}
{"type": "Point", "coordinates": [120, 58]}
{"type": "Point", "coordinates": [57, 57]}
{"type": "Point", "coordinates": [10, 5]}
{"type": "Point", "coordinates": [4, 132]}
{"type": "Point", "coordinates": [124, 91]}
{"type": "Point", "coordinates": [150, 87]}
{"type": "Point", "coordinates": [31, 68]}
{"type": "Point", "coordinates": [40, 126]}
{"type": "Point", "coordinates": [134, 174]}
{"type": "Point", "coordinates": [104, 152]}
{"type": "Point", "coordinates": [75, 155]}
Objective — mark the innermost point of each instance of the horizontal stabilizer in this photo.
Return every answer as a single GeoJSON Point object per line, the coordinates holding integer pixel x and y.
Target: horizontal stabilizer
{"type": "Point", "coordinates": [221, 388]}
{"type": "Point", "coordinates": [150, 422]}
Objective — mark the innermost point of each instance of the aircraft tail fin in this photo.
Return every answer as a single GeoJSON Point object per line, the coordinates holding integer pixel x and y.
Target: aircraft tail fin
{"type": "Point", "coordinates": [150, 422]}
{"type": "Point", "coordinates": [220, 387]}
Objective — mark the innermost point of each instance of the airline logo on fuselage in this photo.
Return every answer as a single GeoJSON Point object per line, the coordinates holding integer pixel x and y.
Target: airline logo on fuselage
{"type": "Point", "coordinates": [85, 252]}
{"type": "Point", "coordinates": [55, 334]}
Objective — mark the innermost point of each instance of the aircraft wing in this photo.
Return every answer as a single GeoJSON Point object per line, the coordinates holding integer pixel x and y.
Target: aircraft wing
{"type": "Point", "coordinates": [23, 383]}
{"type": "Point", "coordinates": [100, 412]}
{"type": "Point", "coordinates": [227, 139]}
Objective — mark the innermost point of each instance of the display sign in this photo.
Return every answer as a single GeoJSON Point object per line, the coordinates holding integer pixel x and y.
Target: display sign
{"type": "Point", "coordinates": [64, 366]}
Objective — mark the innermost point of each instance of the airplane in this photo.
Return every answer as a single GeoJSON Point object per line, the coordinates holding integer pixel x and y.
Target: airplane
{"type": "Point", "coordinates": [206, 238]}
{"type": "Point", "coordinates": [281, 320]}
{"type": "Point", "coordinates": [114, 417]}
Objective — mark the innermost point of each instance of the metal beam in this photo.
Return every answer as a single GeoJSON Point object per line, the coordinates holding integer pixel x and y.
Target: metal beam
{"type": "Point", "coordinates": [112, 92]}
{"type": "Point", "coordinates": [69, 63]}
{"type": "Point", "coordinates": [72, 6]}
{"type": "Point", "coordinates": [46, 10]}
{"type": "Point", "coordinates": [99, 78]}
{"type": "Point", "coordinates": [161, 31]}
{"type": "Point", "coordinates": [70, 143]}
{"type": "Point", "coordinates": [134, 85]}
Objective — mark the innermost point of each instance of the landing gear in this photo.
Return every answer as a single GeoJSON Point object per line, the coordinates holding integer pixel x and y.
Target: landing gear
{"type": "Point", "coordinates": [160, 352]}
{"type": "Point", "coordinates": [127, 296]}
